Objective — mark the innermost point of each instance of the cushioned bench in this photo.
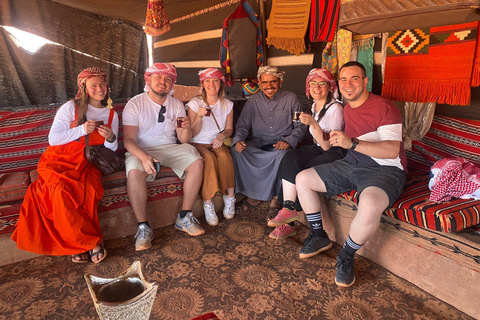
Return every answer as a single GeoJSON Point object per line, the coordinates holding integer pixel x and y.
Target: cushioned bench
{"type": "Point", "coordinates": [436, 246]}
{"type": "Point", "coordinates": [24, 137]}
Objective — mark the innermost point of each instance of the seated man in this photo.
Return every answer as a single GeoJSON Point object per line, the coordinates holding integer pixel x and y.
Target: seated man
{"type": "Point", "coordinates": [270, 116]}
{"type": "Point", "coordinates": [374, 166]}
{"type": "Point", "coordinates": [150, 132]}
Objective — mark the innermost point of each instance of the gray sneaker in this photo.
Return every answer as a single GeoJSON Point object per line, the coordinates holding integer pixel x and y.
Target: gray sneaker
{"type": "Point", "coordinates": [144, 237]}
{"type": "Point", "coordinates": [189, 224]}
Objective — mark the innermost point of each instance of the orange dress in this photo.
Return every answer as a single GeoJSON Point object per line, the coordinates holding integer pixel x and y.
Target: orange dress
{"type": "Point", "coordinates": [59, 212]}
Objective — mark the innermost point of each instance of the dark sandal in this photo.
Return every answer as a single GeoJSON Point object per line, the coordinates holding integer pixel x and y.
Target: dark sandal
{"type": "Point", "coordinates": [81, 256]}
{"type": "Point", "coordinates": [243, 206]}
{"type": "Point", "coordinates": [272, 213]}
{"type": "Point", "coordinates": [96, 253]}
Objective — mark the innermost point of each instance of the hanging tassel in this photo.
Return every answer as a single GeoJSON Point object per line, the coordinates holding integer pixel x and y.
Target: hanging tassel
{"type": "Point", "coordinates": [109, 100]}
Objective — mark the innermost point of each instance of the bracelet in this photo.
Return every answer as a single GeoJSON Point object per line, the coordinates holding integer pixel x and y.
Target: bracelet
{"type": "Point", "coordinates": [113, 139]}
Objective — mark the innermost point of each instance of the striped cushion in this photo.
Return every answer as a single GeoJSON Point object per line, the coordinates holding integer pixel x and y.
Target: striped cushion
{"type": "Point", "coordinates": [414, 207]}
{"type": "Point", "coordinates": [450, 137]}
{"type": "Point", "coordinates": [24, 136]}
{"type": "Point", "coordinates": [13, 186]}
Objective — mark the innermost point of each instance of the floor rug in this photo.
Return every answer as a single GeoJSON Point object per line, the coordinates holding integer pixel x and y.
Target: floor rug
{"type": "Point", "coordinates": [234, 271]}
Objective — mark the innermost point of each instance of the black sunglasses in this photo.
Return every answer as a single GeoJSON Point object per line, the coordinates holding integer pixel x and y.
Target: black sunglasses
{"type": "Point", "coordinates": [161, 117]}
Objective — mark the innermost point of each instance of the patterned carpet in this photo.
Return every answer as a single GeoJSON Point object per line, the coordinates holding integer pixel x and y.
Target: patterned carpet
{"type": "Point", "coordinates": [234, 270]}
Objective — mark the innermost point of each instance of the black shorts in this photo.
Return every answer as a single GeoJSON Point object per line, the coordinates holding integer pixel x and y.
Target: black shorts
{"type": "Point", "coordinates": [342, 176]}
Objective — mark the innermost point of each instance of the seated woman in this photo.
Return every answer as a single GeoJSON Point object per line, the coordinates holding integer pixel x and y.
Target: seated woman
{"type": "Point", "coordinates": [59, 213]}
{"type": "Point", "coordinates": [212, 122]}
{"type": "Point", "coordinates": [327, 115]}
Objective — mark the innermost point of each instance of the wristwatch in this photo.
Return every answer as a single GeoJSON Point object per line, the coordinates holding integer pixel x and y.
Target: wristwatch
{"type": "Point", "coordinates": [113, 139]}
{"type": "Point", "coordinates": [354, 143]}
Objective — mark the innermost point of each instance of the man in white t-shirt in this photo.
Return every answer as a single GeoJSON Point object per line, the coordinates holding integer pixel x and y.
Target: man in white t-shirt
{"type": "Point", "coordinates": [152, 121]}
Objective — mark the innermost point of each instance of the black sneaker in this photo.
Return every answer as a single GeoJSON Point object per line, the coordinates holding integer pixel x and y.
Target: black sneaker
{"type": "Point", "coordinates": [345, 276]}
{"type": "Point", "coordinates": [314, 245]}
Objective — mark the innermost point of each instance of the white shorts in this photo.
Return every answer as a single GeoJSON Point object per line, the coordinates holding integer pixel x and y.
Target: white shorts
{"type": "Point", "coordinates": [175, 156]}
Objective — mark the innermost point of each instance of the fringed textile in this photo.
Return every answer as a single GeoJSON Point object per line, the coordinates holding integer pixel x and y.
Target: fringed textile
{"type": "Point", "coordinates": [287, 25]}
{"type": "Point", "coordinates": [156, 22]}
{"type": "Point", "coordinates": [323, 20]}
{"type": "Point", "coordinates": [431, 65]}
{"type": "Point", "coordinates": [476, 63]}
{"type": "Point", "coordinates": [344, 46]}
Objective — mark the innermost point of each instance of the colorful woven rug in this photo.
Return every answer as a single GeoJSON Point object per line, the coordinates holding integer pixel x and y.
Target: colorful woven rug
{"type": "Point", "coordinates": [323, 20]}
{"type": "Point", "coordinates": [431, 65]}
{"type": "Point", "coordinates": [287, 25]}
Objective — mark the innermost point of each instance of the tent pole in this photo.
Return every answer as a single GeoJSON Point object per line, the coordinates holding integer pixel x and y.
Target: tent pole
{"type": "Point", "coordinates": [264, 30]}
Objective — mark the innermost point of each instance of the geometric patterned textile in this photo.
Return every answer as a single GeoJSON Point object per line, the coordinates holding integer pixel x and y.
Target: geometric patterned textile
{"type": "Point", "coordinates": [408, 41]}
{"type": "Point", "coordinates": [431, 65]}
{"type": "Point", "coordinates": [447, 137]}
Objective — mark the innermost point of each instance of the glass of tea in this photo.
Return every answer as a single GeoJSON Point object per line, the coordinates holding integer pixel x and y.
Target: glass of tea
{"type": "Point", "coordinates": [296, 116]}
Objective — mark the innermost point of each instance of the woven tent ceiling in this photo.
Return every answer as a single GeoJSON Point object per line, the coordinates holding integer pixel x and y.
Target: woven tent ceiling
{"type": "Point", "coordinates": [134, 10]}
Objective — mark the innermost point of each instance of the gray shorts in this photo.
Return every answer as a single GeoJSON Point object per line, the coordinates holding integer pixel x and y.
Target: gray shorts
{"type": "Point", "coordinates": [341, 176]}
{"type": "Point", "coordinates": [175, 156]}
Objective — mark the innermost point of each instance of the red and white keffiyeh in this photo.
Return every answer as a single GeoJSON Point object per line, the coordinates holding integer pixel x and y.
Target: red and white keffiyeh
{"type": "Point", "coordinates": [326, 76]}
{"type": "Point", "coordinates": [211, 73]}
{"type": "Point", "coordinates": [165, 69]}
{"type": "Point", "coordinates": [87, 74]}
{"type": "Point", "coordinates": [454, 178]}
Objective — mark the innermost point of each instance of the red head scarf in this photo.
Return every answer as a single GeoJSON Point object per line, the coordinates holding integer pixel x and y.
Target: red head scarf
{"type": "Point", "coordinates": [165, 69]}
{"type": "Point", "coordinates": [87, 74]}
{"type": "Point", "coordinates": [211, 73]}
{"type": "Point", "coordinates": [326, 76]}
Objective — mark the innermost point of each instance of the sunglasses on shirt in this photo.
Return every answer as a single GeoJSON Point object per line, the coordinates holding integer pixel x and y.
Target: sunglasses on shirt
{"type": "Point", "coordinates": [161, 117]}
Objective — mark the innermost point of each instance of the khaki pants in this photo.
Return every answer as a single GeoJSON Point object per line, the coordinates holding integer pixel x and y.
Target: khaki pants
{"type": "Point", "coordinates": [218, 173]}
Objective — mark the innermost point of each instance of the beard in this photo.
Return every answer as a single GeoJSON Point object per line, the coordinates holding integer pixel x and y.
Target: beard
{"type": "Point", "coordinates": [159, 94]}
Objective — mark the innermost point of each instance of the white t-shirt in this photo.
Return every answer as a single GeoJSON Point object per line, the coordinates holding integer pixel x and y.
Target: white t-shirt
{"type": "Point", "coordinates": [209, 130]}
{"type": "Point", "coordinates": [61, 133]}
{"type": "Point", "coordinates": [332, 119]}
{"type": "Point", "coordinates": [142, 112]}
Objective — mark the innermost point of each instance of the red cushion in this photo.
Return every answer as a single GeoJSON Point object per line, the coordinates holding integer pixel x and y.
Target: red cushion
{"type": "Point", "coordinates": [450, 137]}
{"type": "Point", "coordinates": [414, 207]}
{"type": "Point", "coordinates": [24, 137]}
{"type": "Point", "coordinates": [13, 186]}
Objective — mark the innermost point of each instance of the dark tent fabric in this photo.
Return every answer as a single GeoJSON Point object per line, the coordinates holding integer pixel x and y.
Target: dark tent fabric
{"type": "Point", "coordinates": [82, 40]}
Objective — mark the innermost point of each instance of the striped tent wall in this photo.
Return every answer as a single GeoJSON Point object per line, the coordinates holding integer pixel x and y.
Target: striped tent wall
{"type": "Point", "coordinates": [193, 43]}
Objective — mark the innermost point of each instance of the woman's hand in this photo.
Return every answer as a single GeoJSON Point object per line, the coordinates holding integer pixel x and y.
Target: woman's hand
{"type": "Point", "coordinates": [202, 111]}
{"type": "Point", "coordinates": [307, 119]}
{"type": "Point", "coordinates": [106, 132]}
{"type": "Point", "coordinates": [89, 126]}
{"type": "Point", "coordinates": [218, 141]}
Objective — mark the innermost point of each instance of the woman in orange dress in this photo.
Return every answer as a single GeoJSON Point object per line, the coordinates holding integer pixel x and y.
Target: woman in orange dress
{"type": "Point", "coordinates": [59, 212]}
